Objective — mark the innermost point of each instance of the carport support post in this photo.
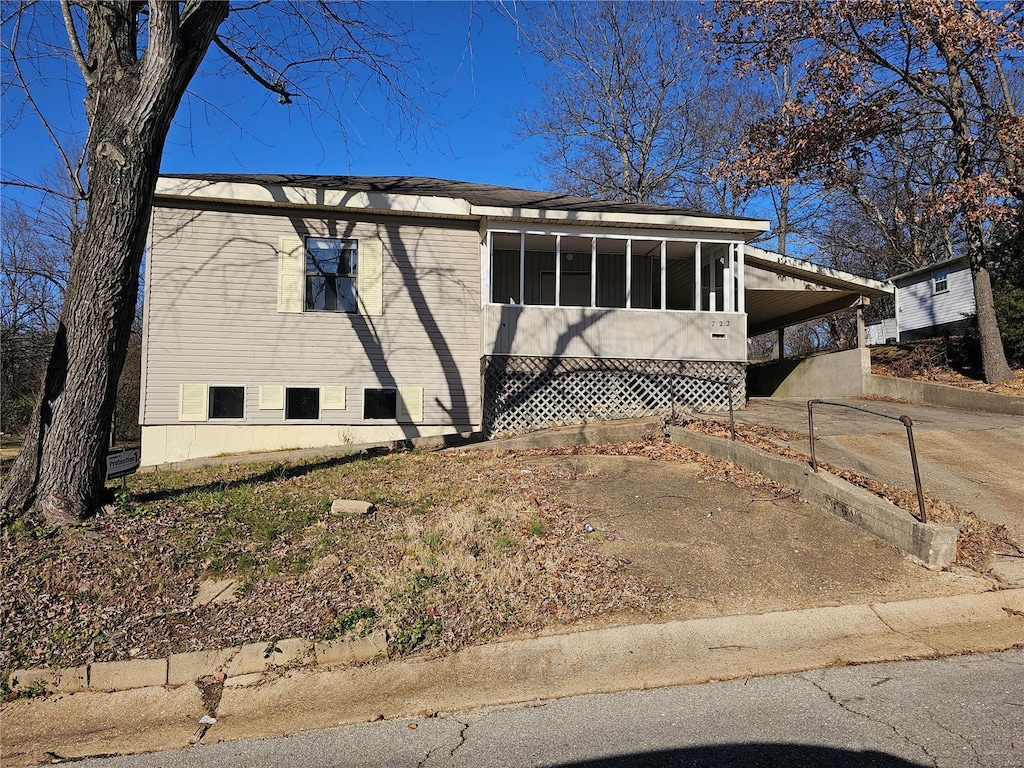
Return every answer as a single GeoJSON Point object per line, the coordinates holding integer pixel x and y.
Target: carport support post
{"type": "Point", "coordinates": [861, 332]}
{"type": "Point", "coordinates": [780, 345]}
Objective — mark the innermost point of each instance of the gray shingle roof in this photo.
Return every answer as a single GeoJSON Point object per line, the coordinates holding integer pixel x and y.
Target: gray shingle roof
{"type": "Point", "coordinates": [476, 194]}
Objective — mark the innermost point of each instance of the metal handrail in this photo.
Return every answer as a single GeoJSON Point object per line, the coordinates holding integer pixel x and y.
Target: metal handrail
{"type": "Point", "coordinates": [904, 420]}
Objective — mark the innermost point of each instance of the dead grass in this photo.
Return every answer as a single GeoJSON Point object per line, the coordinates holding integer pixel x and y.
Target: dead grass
{"type": "Point", "coordinates": [462, 548]}
{"type": "Point", "coordinates": [940, 362]}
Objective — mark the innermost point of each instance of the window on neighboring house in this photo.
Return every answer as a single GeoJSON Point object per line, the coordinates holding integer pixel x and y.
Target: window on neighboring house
{"type": "Point", "coordinates": [940, 281]}
{"type": "Point", "coordinates": [380, 403]}
{"type": "Point", "coordinates": [227, 402]}
{"type": "Point", "coordinates": [331, 274]}
{"type": "Point", "coordinates": [302, 403]}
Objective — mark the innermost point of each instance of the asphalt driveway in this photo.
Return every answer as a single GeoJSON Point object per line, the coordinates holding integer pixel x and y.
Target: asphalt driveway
{"type": "Point", "coordinates": [969, 458]}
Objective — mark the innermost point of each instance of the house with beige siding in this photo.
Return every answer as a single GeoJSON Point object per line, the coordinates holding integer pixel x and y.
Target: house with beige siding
{"type": "Point", "coordinates": [314, 311]}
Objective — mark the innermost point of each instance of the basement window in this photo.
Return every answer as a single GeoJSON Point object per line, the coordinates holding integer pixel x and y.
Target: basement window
{"type": "Point", "coordinates": [380, 403]}
{"type": "Point", "coordinates": [302, 404]}
{"type": "Point", "coordinates": [227, 402]}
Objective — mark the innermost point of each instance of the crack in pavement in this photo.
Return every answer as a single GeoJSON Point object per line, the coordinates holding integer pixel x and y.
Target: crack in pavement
{"type": "Point", "coordinates": [867, 716]}
{"type": "Point", "coordinates": [964, 739]}
{"type": "Point", "coordinates": [462, 737]}
{"type": "Point", "coordinates": [451, 752]}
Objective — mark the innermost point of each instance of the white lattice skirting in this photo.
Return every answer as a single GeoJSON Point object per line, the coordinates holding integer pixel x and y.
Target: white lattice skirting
{"type": "Point", "coordinates": [527, 393]}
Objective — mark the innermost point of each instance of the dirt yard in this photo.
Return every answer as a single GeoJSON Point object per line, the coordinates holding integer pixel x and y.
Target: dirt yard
{"type": "Point", "coordinates": [722, 541]}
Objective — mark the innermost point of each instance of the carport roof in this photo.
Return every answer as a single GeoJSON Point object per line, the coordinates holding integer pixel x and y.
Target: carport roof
{"type": "Point", "coordinates": [792, 290]}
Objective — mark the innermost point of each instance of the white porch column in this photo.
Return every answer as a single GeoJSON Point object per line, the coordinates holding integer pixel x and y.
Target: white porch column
{"type": "Point", "coordinates": [664, 269]}
{"type": "Point", "coordinates": [728, 286]}
{"type": "Point", "coordinates": [522, 268]}
{"type": "Point", "coordinates": [741, 296]}
{"type": "Point", "coordinates": [629, 273]}
{"type": "Point", "coordinates": [486, 270]}
{"type": "Point", "coordinates": [558, 270]}
{"type": "Point", "coordinates": [697, 268]}
{"type": "Point", "coordinates": [593, 271]}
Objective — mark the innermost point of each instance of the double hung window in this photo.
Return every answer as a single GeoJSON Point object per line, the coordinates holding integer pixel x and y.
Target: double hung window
{"type": "Point", "coordinates": [331, 268]}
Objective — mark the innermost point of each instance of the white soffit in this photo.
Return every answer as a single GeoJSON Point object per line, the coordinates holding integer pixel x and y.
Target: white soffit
{"type": "Point", "coordinates": [272, 194]}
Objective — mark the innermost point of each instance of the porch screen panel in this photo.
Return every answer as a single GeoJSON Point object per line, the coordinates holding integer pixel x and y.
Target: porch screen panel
{"type": "Point", "coordinates": [611, 273]}
{"type": "Point", "coordinates": [575, 264]}
{"type": "Point", "coordinates": [713, 257]}
{"type": "Point", "coordinates": [646, 274]}
{"type": "Point", "coordinates": [505, 275]}
{"type": "Point", "coordinates": [540, 270]}
{"type": "Point", "coordinates": [679, 275]}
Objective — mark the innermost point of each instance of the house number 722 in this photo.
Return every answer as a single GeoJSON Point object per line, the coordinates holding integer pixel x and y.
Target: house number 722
{"type": "Point", "coordinates": [720, 323]}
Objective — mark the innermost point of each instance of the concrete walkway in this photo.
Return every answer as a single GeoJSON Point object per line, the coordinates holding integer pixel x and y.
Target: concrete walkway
{"type": "Point", "coordinates": [972, 459]}
{"type": "Point", "coordinates": [545, 667]}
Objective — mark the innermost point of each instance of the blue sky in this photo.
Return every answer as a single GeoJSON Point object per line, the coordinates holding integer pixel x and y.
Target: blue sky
{"type": "Point", "coordinates": [481, 68]}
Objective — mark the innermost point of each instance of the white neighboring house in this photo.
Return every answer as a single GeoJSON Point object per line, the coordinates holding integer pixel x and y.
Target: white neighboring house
{"type": "Point", "coordinates": [936, 300]}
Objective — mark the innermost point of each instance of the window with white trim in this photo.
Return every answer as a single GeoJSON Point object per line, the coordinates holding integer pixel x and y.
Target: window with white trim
{"type": "Point", "coordinates": [331, 268]}
{"type": "Point", "coordinates": [226, 402]}
{"type": "Point", "coordinates": [324, 274]}
{"type": "Point", "coordinates": [940, 281]}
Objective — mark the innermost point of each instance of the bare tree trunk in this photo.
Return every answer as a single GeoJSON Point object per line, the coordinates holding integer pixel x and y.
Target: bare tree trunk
{"type": "Point", "coordinates": [131, 102]}
{"type": "Point", "coordinates": [993, 357]}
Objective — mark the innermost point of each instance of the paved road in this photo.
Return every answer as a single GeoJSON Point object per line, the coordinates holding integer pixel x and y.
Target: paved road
{"type": "Point", "coordinates": [968, 458]}
{"type": "Point", "coordinates": [957, 712]}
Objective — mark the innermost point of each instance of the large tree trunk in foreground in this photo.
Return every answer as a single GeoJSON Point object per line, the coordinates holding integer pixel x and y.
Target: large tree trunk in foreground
{"type": "Point", "coordinates": [131, 102]}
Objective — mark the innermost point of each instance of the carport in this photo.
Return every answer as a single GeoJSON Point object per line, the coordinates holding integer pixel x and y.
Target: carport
{"type": "Point", "coordinates": [781, 291]}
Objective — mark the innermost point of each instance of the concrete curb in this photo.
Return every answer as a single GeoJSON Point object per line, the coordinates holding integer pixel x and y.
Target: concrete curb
{"type": "Point", "coordinates": [553, 666]}
{"type": "Point", "coordinates": [594, 433]}
{"type": "Point", "coordinates": [184, 668]}
{"type": "Point", "coordinates": [428, 443]}
{"type": "Point", "coordinates": [934, 546]}
{"type": "Point", "coordinates": [942, 394]}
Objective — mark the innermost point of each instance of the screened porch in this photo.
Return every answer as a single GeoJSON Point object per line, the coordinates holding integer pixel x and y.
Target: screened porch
{"type": "Point", "coordinates": [613, 296]}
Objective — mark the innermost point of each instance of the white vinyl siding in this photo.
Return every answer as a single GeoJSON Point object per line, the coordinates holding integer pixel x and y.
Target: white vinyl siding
{"type": "Point", "coordinates": [212, 303]}
{"type": "Point", "coordinates": [919, 306]}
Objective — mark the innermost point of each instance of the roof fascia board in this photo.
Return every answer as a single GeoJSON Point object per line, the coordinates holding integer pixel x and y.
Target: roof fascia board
{"type": "Point", "coordinates": [605, 231]}
{"type": "Point", "coordinates": [816, 272]}
{"type": "Point", "coordinates": [929, 268]}
{"type": "Point", "coordinates": [750, 228]}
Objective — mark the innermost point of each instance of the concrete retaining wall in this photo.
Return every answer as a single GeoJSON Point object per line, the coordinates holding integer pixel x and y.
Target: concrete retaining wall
{"type": "Point", "coordinates": [594, 433]}
{"type": "Point", "coordinates": [834, 375]}
{"type": "Point", "coordinates": [942, 394]}
{"type": "Point", "coordinates": [934, 546]}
